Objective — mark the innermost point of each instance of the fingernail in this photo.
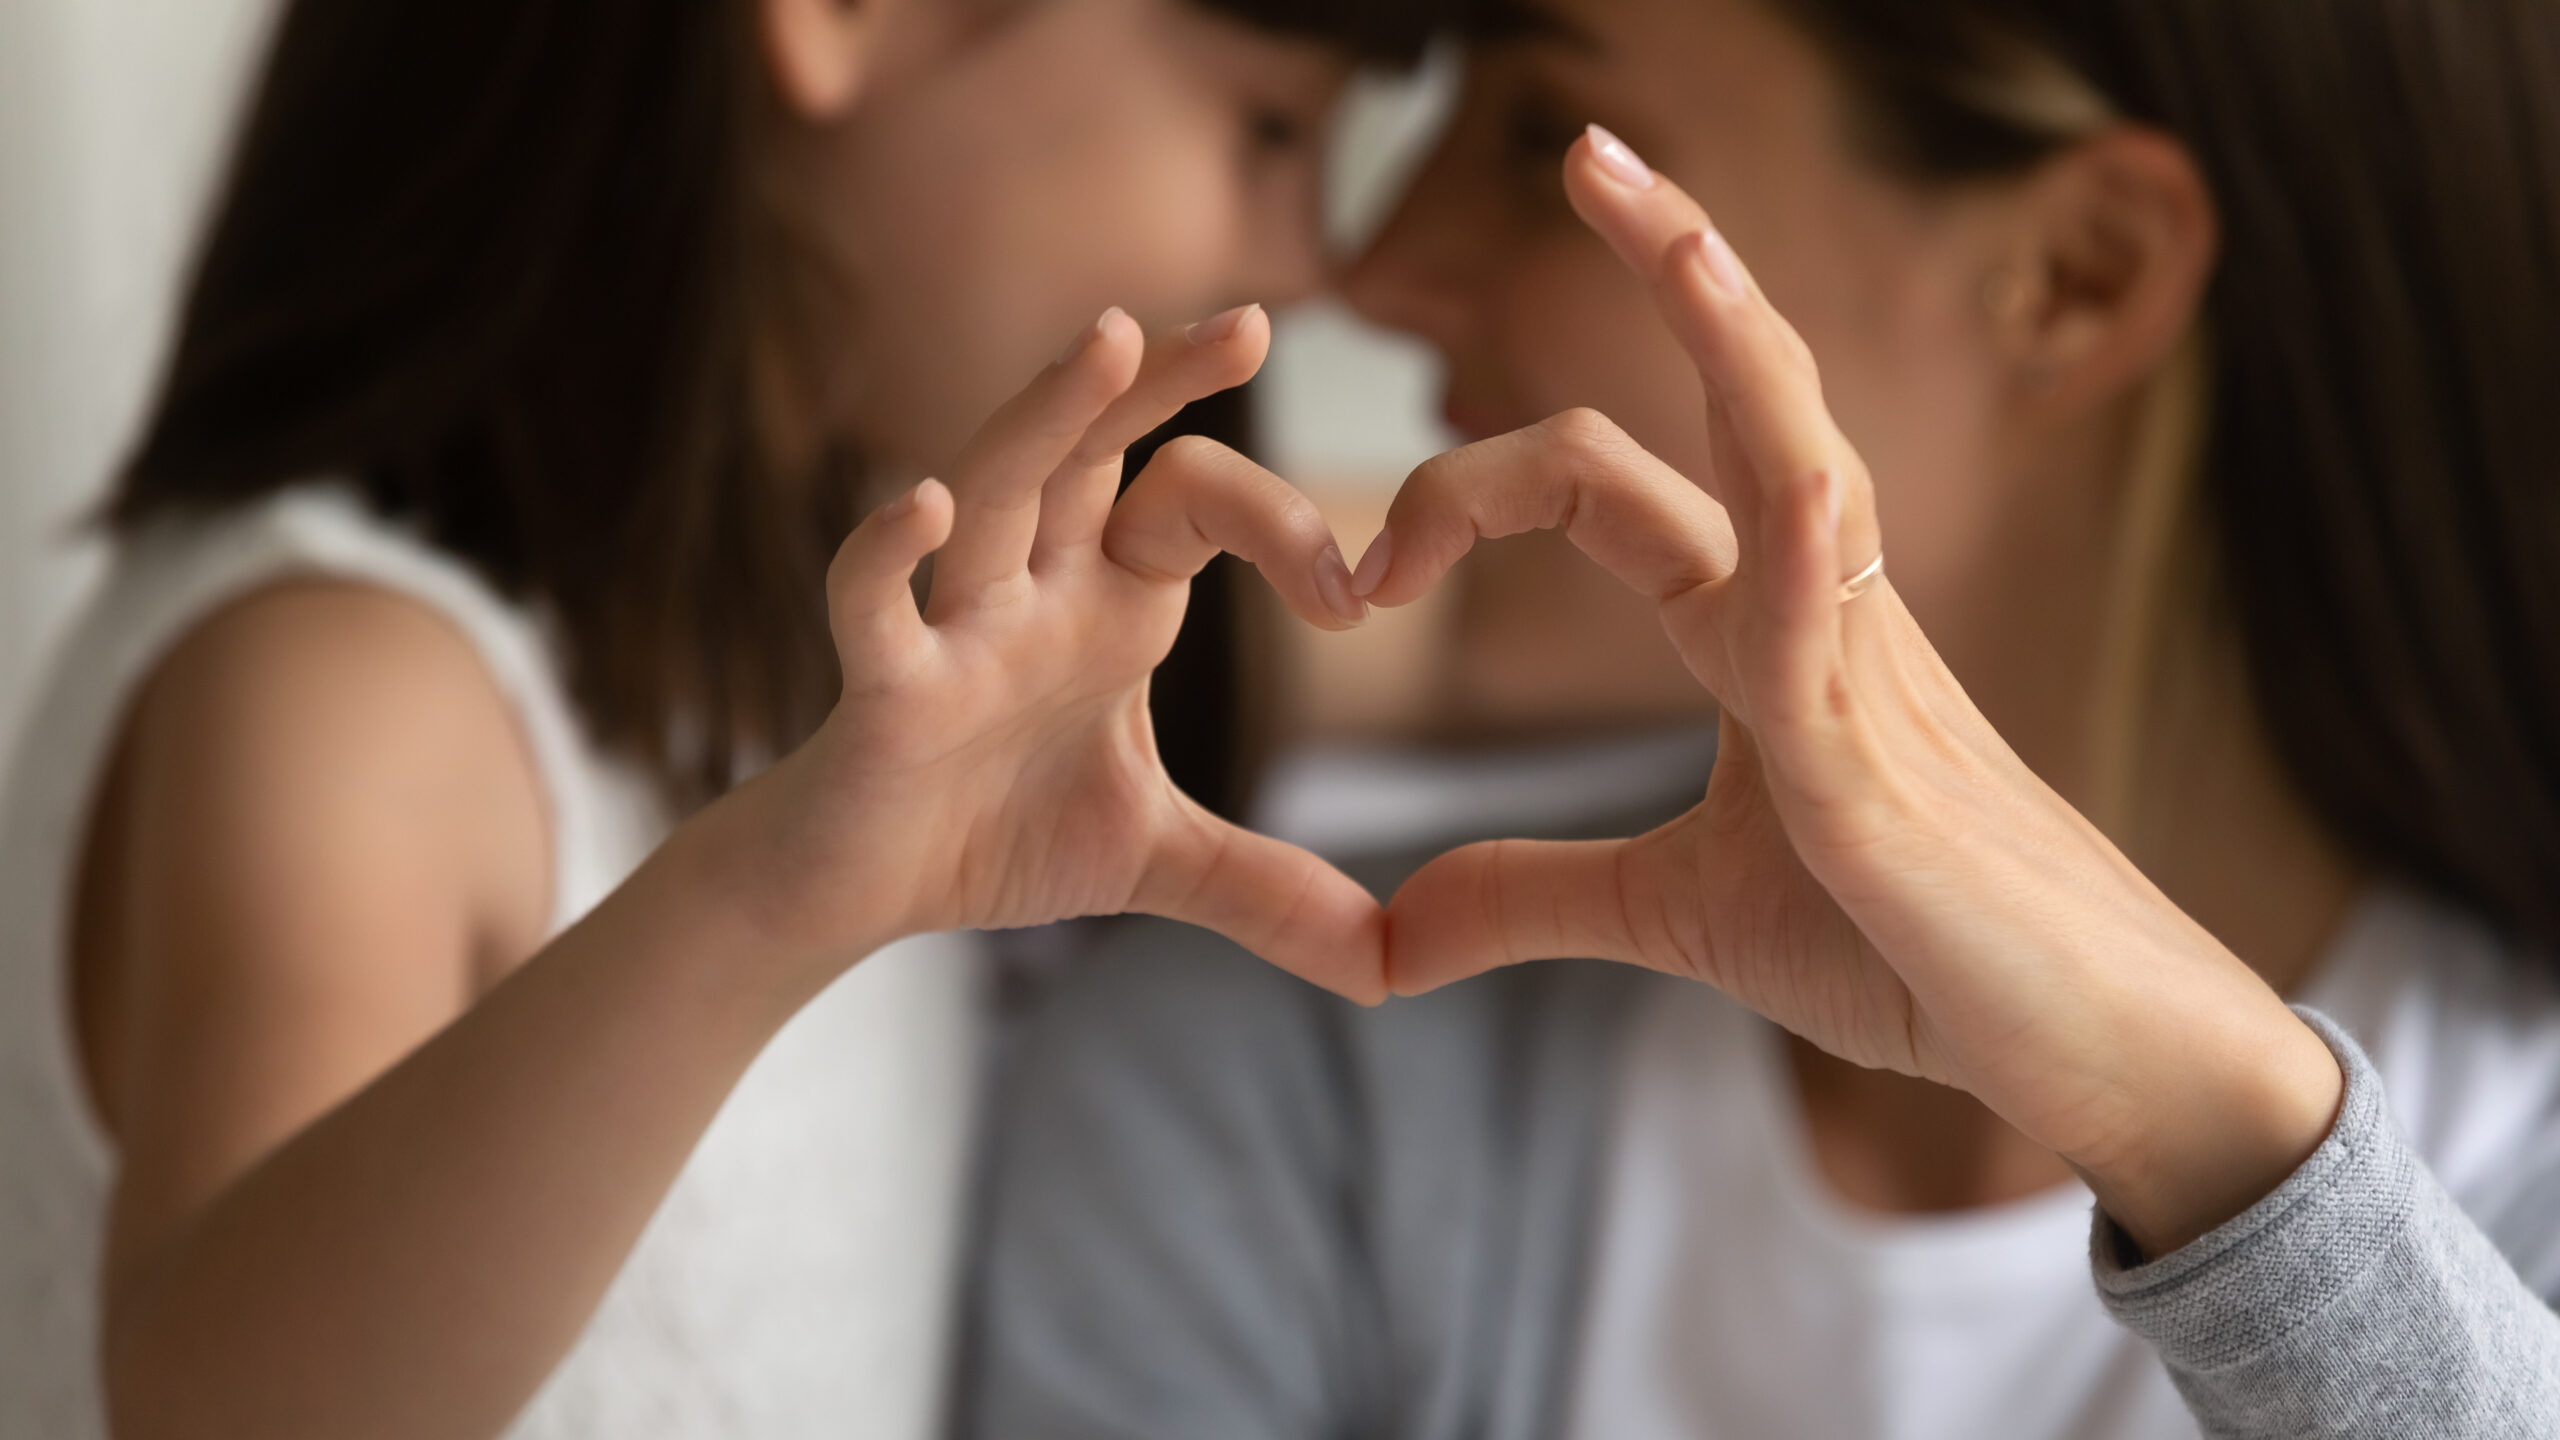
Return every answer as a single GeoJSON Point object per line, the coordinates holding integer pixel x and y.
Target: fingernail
{"type": "Point", "coordinates": [1619, 161]}
{"type": "Point", "coordinates": [1085, 338]}
{"type": "Point", "coordinates": [1724, 268]}
{"type": "Point", "coordinates": [1373, 566]}
{"type": "Point", "coordinates": [897, 509]}
{"type": "Point", "coordinates": [1333, 581]}
{"type": "Point", "coordinates": [1219, 326]}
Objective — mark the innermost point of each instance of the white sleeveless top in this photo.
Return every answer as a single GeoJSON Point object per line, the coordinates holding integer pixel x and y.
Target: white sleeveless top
{"type": "Point", "coordinates": [796, 1282]}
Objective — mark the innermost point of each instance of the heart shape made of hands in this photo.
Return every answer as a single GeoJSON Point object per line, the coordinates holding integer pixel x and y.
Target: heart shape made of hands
{"type": "Point", "coordinates": [1003, 724]}
{"type": "Point", "coordinates": [1871, 866]}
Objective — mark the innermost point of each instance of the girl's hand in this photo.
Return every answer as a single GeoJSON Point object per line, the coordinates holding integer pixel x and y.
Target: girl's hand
{"type": "Point", "coordinates": [1872, 867]}
{"type": "Point", "coordinates": [991, 763]}
{"type": "Point", "coordinates": [333, 1140]}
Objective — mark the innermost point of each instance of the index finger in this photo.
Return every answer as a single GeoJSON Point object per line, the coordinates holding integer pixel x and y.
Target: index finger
{"type": "Point", "coordinates": [1179, 367]}
{"type": "Point", "coordinates": [1759, 373]}
{"type": "Point", "coordinates": [997, 481]}
{"type": "Point", "coordinates": [1643, 521]}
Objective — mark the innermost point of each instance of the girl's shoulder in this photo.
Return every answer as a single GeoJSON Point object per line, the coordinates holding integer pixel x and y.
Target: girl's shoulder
{"type": "Point", "coordinates": [310, 604]}
{"type": "Point", "coordinates": [274, 737]}
{"type": "Point", "coordinates": [300, 646]}
{"type": "Point", "coordinates": [174, 574]}
{"type": "Point", "coordinates": [327, 713]}
{"type": "Point", "coordinates": [2464, 1028]}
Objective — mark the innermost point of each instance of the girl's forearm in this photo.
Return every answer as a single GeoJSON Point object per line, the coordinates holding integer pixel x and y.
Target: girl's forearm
{"type": "Point", "coordinates": [419, 1260]}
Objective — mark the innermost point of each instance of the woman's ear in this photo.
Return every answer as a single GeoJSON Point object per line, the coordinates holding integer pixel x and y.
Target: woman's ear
{"type": "Point", "coordinates": [819, 51]}
{"type": "Point", "coordinates": [2109, 269]}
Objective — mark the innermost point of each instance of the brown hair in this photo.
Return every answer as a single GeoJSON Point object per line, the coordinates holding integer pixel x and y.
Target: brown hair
{"type": "Point", "coordinates": [489, 261]}
{"type": "Point", "coordinates": [2380, 485]}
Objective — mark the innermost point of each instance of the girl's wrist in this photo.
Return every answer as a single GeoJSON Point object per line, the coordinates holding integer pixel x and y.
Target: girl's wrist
{"type": "Point", "coordinates": [724, 874]}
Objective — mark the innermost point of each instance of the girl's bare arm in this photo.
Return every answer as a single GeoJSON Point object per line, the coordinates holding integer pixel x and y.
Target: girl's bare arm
{"type": "Point", "coordinates": [323, 1231]}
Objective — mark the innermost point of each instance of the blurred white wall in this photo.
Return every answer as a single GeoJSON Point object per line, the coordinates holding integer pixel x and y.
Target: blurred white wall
{"type": "Point", "coordinates": [1342, 404]}
{"type": "Point", "coordinates": [113, 116]}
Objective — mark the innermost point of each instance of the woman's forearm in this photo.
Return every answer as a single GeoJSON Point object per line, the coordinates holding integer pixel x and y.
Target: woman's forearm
{"type": "Point", "coordinates": [418, 1261]}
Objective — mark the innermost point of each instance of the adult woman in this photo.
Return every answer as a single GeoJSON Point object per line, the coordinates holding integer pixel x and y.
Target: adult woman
{"type": "Point", "coordinates": [2210, 454]}
{"type": "Point", "coordinates": [541, 356]}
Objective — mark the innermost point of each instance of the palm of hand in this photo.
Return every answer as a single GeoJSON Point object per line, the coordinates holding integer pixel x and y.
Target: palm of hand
{"type": "Point", "coordinates": [1024, 746]}
{"type": "Point", "coordinates": [1742, 913]}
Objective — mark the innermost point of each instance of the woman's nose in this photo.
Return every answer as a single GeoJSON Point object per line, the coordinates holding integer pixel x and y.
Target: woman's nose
{"type": "Point", "coordinates": [1406, 283]}
{"type": "Point", "coordinates": [1418, 274]}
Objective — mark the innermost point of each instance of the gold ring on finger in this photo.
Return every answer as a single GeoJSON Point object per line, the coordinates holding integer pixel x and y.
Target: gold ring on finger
{"type": "Point", "coordinates": [1864, 581]}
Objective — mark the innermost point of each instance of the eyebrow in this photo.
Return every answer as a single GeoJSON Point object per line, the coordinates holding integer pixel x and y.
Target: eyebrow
{"type": "Point", "coordinates": [1512, 22]}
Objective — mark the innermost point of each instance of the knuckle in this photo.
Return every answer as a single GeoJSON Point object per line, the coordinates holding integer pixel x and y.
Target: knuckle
{"type": "Point", "coordinates": [1835, 699]}
{"type": "Point", "coordinates": [1595, 453]}
{"type": "Point", "coordinates": [1092, 450]}
{"type": "Point", "coordinates": [1857, 482]}
{"type": "Point", "coordinates": [845, 570]}
{"type": "Point", "coordinates": [1800, 355]}
{"type": "Point", "coordinates": [1584, 430]}
{"type": "Point", "coordinates": [1436, 476]}
{"type": "Point", "coordinates": [1192, 455]}
{"type": "Point", "coordinates": [1302, 520]}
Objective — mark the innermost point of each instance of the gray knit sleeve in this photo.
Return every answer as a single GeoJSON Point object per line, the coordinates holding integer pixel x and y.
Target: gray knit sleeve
{"type": "Point", "coordinates": [2358, 1300]}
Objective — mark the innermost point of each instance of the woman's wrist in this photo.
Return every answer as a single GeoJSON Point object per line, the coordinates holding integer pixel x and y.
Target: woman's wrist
{"type": "Point", "coordinates": [2230, 1107]}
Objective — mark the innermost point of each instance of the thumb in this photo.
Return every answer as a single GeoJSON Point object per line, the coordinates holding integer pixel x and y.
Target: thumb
{"type": "Point", "coordinates": [1503, 902]}
{"type": "Point", "coordinates": [1280, 902]}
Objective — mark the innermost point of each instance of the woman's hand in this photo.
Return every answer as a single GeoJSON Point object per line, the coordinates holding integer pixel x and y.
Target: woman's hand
{"type": "Point", "coordinates": [1872, 867]}
{"type": "Point", "coordinates": [991, 763]}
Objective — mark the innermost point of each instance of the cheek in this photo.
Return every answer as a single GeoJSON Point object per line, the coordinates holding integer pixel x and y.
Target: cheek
{"type": "Point", "coordinates": [1577, 329]}
{"type": "Point", "coordinates": [994, 219]}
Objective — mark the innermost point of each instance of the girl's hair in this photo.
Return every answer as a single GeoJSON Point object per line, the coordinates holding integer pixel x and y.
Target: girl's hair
{"type": "Point", "coordinates": [2380, 438]}
{"type": "Point", "coordinates": [489, 261]}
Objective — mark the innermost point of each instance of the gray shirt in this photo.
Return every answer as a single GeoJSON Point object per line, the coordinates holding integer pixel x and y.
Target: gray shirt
{"type": "Point", "coordinates": [1225, 1204]}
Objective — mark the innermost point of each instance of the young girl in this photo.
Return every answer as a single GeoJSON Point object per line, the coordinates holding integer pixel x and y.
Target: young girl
{"type": "Point", "coordinates": [2203, 353]}
{"type": "Point", "coordinates": [542, 354]}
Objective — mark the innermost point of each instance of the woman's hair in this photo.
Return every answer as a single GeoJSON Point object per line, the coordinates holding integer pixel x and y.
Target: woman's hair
{"type": "Point", "coordinates": [489, 261]}
{"type": "Point", "coordinates": [2380, 445]}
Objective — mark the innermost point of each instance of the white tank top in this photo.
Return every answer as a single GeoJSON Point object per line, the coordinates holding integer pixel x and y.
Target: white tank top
{"type": "Point", "coordinates": [796, 1282]}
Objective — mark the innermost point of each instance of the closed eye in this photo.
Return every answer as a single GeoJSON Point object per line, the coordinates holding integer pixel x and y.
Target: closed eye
{"type": "Point", "coordinates": [1271, 129]}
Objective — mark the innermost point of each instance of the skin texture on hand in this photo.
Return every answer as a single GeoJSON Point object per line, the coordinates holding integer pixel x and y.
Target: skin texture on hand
{"type": "Point", "coordinates": [991, 763]}
{"type": "Point", "coordinates": [1872, 867]}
